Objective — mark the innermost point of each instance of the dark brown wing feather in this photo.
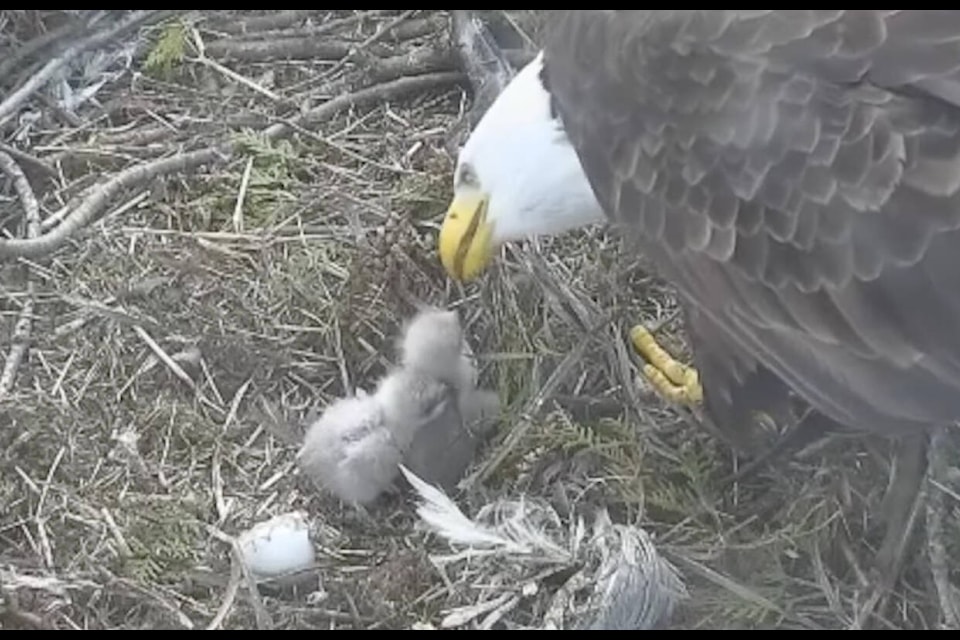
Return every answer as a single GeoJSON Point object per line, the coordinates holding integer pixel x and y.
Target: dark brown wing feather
{"type": "Point", "coordinates": [796, 174]}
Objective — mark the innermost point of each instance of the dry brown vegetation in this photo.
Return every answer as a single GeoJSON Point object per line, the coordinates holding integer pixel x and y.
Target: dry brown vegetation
{"type": "Point", "coordinates": [227, 234]}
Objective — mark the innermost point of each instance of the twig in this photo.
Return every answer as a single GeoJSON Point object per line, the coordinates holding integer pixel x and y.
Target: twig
{"type": "Point", "coordinates": [939, 564]}
{"type": "Point", "coordinates": [98, 198]}
{"type": "Point", "coordinates": [264, 620]}
{"type": "Point", "coordinates": [12, 102]}
{"type": "Point", "coordinates": [228, 598]}
{"type": "Point", "coordinates": [21, 332]}
{"type": "Point", "coordinates": [24, 191]}
{"type": "Point", "coordinates": [233, 75]}
{"type": "Point", "coordinates": [165, 358]}
{"type": "Point", "coordinates": [244, 185]}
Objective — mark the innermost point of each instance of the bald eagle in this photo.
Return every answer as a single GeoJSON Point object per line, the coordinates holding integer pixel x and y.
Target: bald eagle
{"type": "Point", "coordinates": [794, 174]}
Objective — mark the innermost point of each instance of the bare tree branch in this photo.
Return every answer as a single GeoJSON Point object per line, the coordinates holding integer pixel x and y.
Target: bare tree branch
{"type": "Point", "coordinates": [98, 198]}
{"type": "Point", "coordinates": [303, 43]}
{"type": "Point", "coordinates": [392, 89]}
{"type": "Point", "coordinates": [21, 331]}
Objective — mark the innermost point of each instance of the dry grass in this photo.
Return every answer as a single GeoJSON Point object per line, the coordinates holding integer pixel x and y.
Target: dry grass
{"type": "Point", "coordinates": [180, 340]}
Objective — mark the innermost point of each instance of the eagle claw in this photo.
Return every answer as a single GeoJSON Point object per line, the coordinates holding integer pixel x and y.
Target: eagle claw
{"type": "Point", "coordinates": [676, 382]}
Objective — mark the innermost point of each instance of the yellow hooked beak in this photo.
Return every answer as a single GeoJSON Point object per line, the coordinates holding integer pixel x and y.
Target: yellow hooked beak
{"type": "Point", "coordinates": [465, 236]}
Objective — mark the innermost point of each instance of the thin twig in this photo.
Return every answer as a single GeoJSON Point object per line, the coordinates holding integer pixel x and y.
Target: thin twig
{"type": "Point", "coordinates": [229, 597]}
{"type": "Point", "coordinates": [12, 102]}
{"type": "Point", "coordinates": [263, 618]}
{"type": "Point", "coordinates": [24, 191]}
{"type": "Point", "coordinates": [233, 75]}
{"type": "Point", "coordinates": [244, 185]}
{"type": "Point", "coordinates": [21, 331]}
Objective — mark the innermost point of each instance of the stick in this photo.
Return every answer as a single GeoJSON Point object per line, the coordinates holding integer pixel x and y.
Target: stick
{"type": "Point", "coordinates": [98, 199]}
{"type": "Point", "coordinates": [394, 88]}
{"type": "Point", "coordinates": [21, 331]}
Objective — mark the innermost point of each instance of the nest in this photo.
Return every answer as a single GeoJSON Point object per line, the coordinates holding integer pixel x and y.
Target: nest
{"type": "Point", "coordinates": [213, 223]}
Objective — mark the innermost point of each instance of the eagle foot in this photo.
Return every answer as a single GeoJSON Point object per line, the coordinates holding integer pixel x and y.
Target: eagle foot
{"type": "Point", "coordinates": [674, 381]}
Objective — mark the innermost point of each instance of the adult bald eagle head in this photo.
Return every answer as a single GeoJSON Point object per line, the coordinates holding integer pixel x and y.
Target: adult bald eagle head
{"type": "Point", "coordinates": [794, 174]}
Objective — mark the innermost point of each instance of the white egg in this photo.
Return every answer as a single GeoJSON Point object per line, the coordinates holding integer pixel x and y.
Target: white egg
{"type": "Point", "coordinates": [278, 546]}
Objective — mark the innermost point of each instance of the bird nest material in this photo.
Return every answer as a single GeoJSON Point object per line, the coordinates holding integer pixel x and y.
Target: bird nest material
{"type": "Point", "coordinates": [609, 577]}
{"type": "Point", "coordinates": [213, 223]}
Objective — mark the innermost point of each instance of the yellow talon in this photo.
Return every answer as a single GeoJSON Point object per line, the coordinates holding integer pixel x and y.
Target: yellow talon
{"type": "Point", "coordinates": [676, 382]}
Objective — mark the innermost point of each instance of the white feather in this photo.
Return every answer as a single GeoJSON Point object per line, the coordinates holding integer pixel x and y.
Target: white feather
{"type": "Point", "coordinates": [521, 157]}
{"type": "Point", "coordinates": [444, 517]}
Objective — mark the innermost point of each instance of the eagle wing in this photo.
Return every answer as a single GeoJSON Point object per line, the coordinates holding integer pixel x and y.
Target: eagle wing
{"type": "Point", "coordinates": [796, 175]}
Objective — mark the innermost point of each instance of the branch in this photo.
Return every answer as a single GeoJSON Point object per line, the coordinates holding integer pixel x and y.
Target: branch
{"type": "Point", "coordinates": [392, 89]}
{"type": "Point", "coordinates": [266, 50]}
{"type": "Point", "coordinates": [305, 43]}
{"type": "Point", "coordinates": [427, 59]}
{"type": "Point", "coordinates": [98, 198]}
{"type": "Point", "coordinates": [12, 102]}
{"type": "Point", "coordinates": [21, 331]}
{"type": "Point", "coordinates": [422, 60]}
